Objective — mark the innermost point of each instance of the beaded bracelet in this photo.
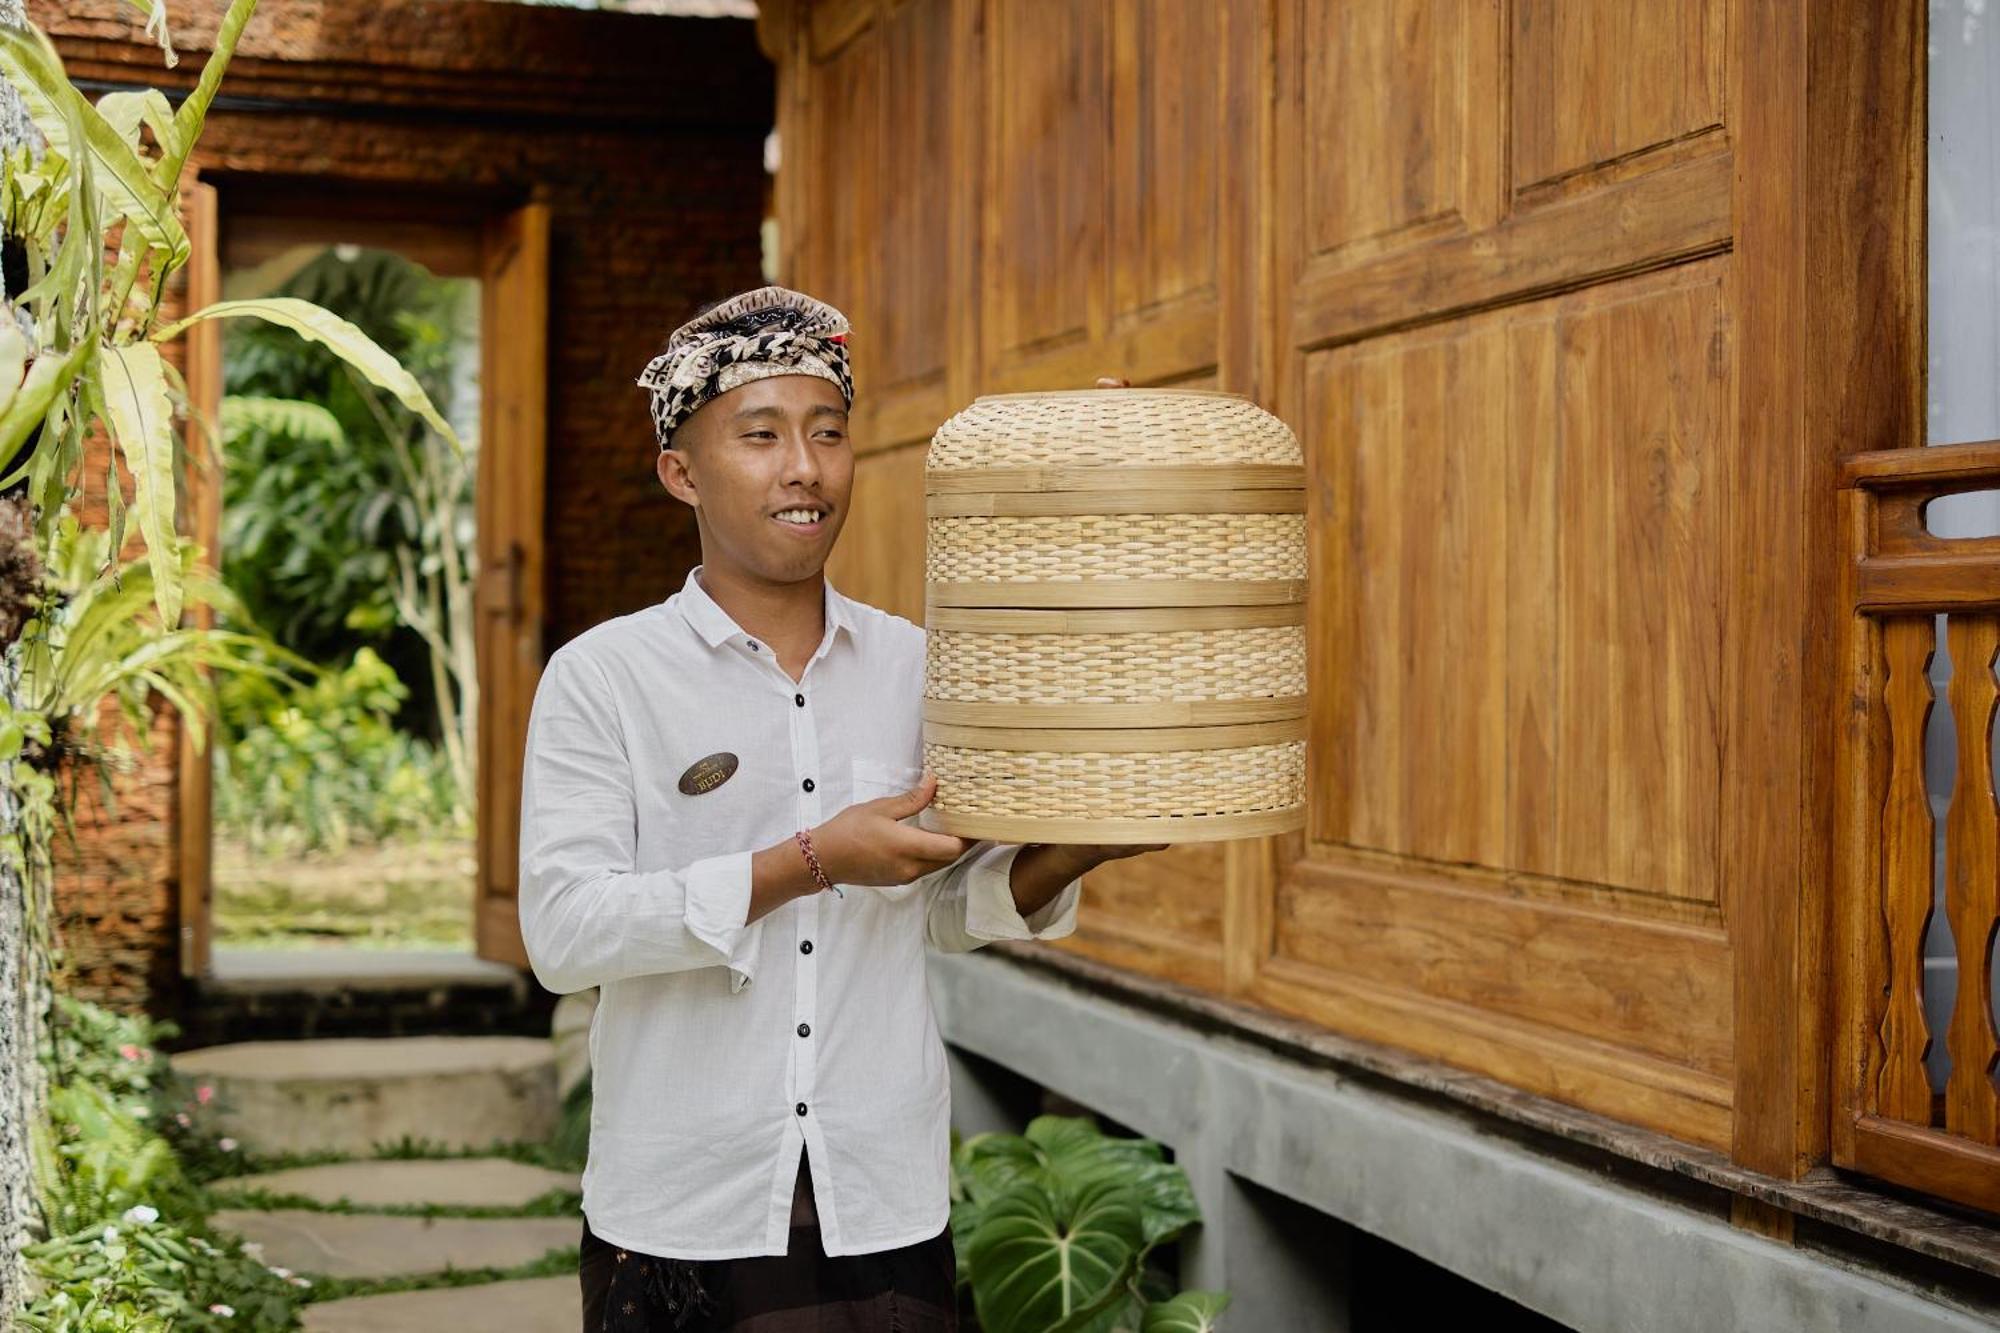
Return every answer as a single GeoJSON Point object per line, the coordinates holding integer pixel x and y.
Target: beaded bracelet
{"type": "Point", "coordinates": [812, 863]}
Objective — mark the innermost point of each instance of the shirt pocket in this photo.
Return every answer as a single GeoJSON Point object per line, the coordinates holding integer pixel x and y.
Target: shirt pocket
{"type": "Point", "coordinates": [873, 779]}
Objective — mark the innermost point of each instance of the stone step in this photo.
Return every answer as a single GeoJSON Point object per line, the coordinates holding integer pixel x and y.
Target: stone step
{"type": "Point", "coordinates": [370, 1245]}
{"type": "Point", "coordinates": [351, 1094]}
{"type": "Point", "coordinates": [533, 1305]}
{"type": "Point", "coordinates": [290, 994]}
{"type": "Point", "coordinates": [455, 1182]}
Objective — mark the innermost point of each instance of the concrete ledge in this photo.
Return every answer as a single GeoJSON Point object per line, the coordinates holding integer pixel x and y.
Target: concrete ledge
{"type": "Point", "coordinates": [1584, 1248]}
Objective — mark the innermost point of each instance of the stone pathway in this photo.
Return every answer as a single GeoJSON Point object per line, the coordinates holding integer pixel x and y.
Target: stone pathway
{"type": "Point", "coordinates": [352, 1095]}
{"type": "Point", "coordinates": [536, 1305]}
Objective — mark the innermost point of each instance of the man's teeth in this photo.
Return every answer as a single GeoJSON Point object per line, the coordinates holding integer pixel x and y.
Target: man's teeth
{"type": "Point", "coordinates": [798, 516]}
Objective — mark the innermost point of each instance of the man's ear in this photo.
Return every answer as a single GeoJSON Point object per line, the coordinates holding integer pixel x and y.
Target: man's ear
{"type": "Point", "coordinates": [672, 469]}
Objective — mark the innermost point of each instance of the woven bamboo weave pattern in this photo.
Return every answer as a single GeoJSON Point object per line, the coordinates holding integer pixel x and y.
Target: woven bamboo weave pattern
{"type": "Point", "coordinates": [1117, 668]}
{"type": "Point", "coordinates": [1111, 428]}
{"type": "Point", "coordinates": [1117, 546]}
{"type": "Point", "coordinates": [1177, 783]}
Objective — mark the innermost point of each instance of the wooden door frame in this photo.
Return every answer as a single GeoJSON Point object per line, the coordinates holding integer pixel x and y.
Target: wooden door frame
{"type": "Point", "coordinates": [453, 235]}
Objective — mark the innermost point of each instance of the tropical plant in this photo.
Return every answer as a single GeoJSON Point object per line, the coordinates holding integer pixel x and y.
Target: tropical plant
{"type": "Point", "coordinates": [1053, 1229]}
{"type": "Point", "coordinates": [94, 213]}
{"type": "Point", "coordinates": [324, 765]}
{"type": "Point", "coordinates": [344, 520]}
{"type": "Point", "coordinates": [129, 1249]}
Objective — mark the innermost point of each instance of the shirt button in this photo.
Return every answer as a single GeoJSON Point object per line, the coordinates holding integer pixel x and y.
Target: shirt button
{"type": "Point", "coordinates": [799, 699]}
{"type": "Point", "coordinates": [753, 645]}
{"type": "Point", "coordinates": [805, 1029]}
{"type": "Point", "coordinates": [807, 784]}
{"type": "Point", "coordinates": [800, 1108]}
{"type": "Point", "coordinates": [805, 946]}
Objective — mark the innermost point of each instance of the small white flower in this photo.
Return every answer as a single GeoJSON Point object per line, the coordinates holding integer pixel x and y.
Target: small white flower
{"type": "Point", "coordinates": [280, 1272]}
{"type": "Point", "coordinates": [299, 1281]}
{"type": "Point", "coordinates": [226, 1311]}
{"type": "Point", "coordinates": [254, 1250]}
{"type": "Point", "coordinates": [110, 1235]}
{"type": "Point", "coordinates": [227, 1145]}
{"type": "Point", "coordinates": [140, 1215]}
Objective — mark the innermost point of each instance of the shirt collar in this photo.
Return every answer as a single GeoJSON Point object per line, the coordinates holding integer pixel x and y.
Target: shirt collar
{"type": "Point", "coordinates": [713, 624]}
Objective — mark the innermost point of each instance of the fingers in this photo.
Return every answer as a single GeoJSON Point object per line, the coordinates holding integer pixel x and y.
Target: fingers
{"type": "Point", "coordinates": [939, 849]}
{"type": "Point", "coordinates": [911, 801]}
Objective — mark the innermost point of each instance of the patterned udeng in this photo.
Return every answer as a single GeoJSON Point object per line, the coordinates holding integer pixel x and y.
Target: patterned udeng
{"type": "Point", "coordinates": [1116, 589]}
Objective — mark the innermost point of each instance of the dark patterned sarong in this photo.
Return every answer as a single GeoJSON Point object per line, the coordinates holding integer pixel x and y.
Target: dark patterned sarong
{"type": "Point", "coordinates": [910, 1290]}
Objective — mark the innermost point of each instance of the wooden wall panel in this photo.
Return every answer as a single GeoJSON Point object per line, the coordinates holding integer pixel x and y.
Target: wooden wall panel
{"type": "Point", "coordinates": [880, 557]}
{"type": "Point", "coordinates": [1530, 277]}
{"type": "Point", "coordinates": [1595, 83]}
{"type": "Point", "coordinates": [1159, 914]}
{"type": "Point", "coordinates": [1166, 154]}
{"type": "Point", "coordinates": [1409, 132]}
{"type": "Point", "coordinates": [1517, 614]}
{"type": "Point", "coordinates": [1045, 237]}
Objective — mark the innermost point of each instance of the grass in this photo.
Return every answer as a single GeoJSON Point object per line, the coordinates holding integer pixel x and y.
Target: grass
{"type": "Point", "coordinates": [556, 1263]}
{"type": "Point", "coordinates": [407, 894]}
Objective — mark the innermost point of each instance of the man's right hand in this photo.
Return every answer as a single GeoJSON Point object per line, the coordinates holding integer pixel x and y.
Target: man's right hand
{"type": "Point", "coordinates": [868, 843]}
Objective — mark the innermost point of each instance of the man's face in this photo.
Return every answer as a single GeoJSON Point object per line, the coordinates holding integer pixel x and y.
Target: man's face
{"type": "Point", "coordinates": [768, 469]}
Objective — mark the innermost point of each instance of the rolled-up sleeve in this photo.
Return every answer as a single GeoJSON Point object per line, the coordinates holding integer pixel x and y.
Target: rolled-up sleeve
{"type": "Point", "coordinates": [972, 903]}
{"type": "Point", "coordinates": [587, 915]}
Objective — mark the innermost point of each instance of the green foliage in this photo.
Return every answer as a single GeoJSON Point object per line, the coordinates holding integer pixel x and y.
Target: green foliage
{"type": "Point", "coordinates": [129, 1250]}
{"type": "Point", "coordinates": [324, 765]}
{"type": "Point", "coordinates": [1053, 1229]}
{"type": "Point", "coordinates": [317, 495]}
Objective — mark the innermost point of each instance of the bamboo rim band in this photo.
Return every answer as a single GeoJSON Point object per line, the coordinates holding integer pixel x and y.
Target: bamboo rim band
{"type": "Point", "coordinates": [1125, 740]}
{"type": "Point", "coordinates": [1164, 713]}
{"type": "Point", "coordinates": [1086, 594]}
{"type": "Point", "coordinates": [1070, 504]}
{"type": "Point", "coordinates": [1138, 620]}
{"type": "Point", "coordinates": [1125, 831]}
{"type": "Point", "coordinates": [1117, 480]}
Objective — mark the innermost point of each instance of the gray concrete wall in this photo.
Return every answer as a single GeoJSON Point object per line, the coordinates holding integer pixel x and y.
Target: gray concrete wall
{"type": "Point", "coordinates": [1590, 1251]}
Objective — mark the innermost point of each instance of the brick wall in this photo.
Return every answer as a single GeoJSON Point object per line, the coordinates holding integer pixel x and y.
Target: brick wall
{"type": "Point", "coordinates": [643, 134]}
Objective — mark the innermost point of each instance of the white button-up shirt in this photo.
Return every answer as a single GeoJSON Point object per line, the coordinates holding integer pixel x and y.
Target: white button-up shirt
{"type": "Point", "coordinates": [721, 1050]}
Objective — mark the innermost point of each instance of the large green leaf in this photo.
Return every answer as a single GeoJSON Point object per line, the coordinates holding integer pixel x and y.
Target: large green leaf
{"type": "Point", "coordinates": [1189, 1312]}
{"type": "Point", "coordinates": [30, 63]}
{"type": "Point", "coordinates": [194, 111]}
{"type": "Point", "coordinates": [347, 342]}
{"type": "Point", "coordinates": [48, 378]}
{"type": "Point", "coordinates": [126, 112]}
{"type": "Point", "coordinates": [141, 416]}
{"type": "Point", "coordinates": [1044, 1261]}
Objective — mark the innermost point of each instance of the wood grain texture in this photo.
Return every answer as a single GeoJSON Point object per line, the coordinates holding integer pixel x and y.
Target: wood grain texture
{"type": "Point", "coordinates": [1972, 881]}
{"type": "Point", "coordinates": [1589, 971]}
{"type": "Point", "coordinates": [1594, 83]}
{"type": "Point", "coordinates": [194, 818]}
{"type": "Point", "coordinates": [510, 600]}
{"type": "Point", "coordinates": [880, 555]}
{"type": "Point", "coordinates": [1925, 1159]}
{"type": "Point", "coordinates": [1538, 585]}
{"type": "Point", "coordinates": [1904, 1092]}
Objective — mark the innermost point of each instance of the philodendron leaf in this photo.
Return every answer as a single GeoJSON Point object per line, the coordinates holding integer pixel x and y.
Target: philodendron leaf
{"type": "Point", "coordinates": [32, 66]}
{"type": "Point", "coordinates": [141, 416]}
{"type": "Point", "coordinates": [1075, 1150]}
{"type": "Point", "coordinates": [1189, 1312]}
{"type": "Point", "coordinates": [349, 343]}
{"type": "Point", "coordinates": [1046, 1261]}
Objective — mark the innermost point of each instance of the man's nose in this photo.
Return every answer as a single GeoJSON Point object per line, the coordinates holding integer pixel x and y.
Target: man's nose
{"type": "Point", "coordinates": [801, 462]}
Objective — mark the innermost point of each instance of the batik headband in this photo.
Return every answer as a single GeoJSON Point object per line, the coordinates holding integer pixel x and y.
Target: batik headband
{"type": "Point", "coordinates": [754, 336]}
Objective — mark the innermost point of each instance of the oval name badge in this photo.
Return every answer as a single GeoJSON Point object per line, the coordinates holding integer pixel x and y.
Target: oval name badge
{"type": "Point", "coordinates": [705, 775]}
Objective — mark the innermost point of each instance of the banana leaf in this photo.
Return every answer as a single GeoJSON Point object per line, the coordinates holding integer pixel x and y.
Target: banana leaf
{"type": "Point", "coordinates": [349, 343]}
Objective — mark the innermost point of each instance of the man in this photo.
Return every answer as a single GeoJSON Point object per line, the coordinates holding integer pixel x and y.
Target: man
{"type": "Point", "coordinates": [712, 834]}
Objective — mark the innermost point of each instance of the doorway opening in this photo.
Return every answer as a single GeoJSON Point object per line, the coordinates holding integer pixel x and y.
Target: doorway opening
{"type": "Point", "coordinates": [357, 822]}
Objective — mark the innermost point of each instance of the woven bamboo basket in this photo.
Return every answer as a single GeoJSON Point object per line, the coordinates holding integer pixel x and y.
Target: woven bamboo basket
{"type": "Point", "coordinates": [1115, 594]}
